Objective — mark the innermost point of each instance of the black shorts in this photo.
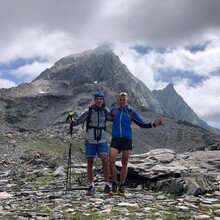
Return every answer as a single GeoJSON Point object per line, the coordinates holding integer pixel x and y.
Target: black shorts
{"type": "Point", "coordinates": [121, 143]}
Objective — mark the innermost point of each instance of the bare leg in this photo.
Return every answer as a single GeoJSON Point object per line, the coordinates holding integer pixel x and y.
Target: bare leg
{"type": "Point", "coordinates": [124, 162]}
{"type": "Point", "coordinates": [90, 162]}
{"type": "Point", "coordinates": [113, 157]}
{"type": "Point", "coordinates": [105, 164]}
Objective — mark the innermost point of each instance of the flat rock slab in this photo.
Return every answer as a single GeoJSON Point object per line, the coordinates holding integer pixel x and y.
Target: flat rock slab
{"type": "Point", "coordinates": [5, 195]}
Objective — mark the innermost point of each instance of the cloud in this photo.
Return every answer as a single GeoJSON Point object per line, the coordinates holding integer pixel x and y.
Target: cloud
{"type": "Point", "coordinates": [157, 23]}
{"type": "Point", "coordinates": [54, 29]}
{"type": "Point", "coordinates": [42, 47]}
{"type": "Point", "coordinates": [204, 98]}
{"type": "Point", "coordinates": [30, 71]}
{"type": "Point", "coordinates": [180, 61]}
{"type": "Point", "coordinates": [202, 63]}
{"type": "Point", "coordinates": [195, 75]}
{"type": "Point", "coordinates": [5, 83]}
{"type": "Point", "coordinates": [35, 43]}
{"type": "Point", "coordinates": [182, 38]}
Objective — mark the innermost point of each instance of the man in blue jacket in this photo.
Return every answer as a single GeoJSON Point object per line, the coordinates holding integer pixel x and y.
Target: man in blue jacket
{"type": "Point", "coordinates": [123, 115]}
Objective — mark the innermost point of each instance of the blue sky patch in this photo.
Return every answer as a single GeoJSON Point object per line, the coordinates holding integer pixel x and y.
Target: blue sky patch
{"type": "Point", "coordinates": [145, 50]}
{"type": "Point", "coordinates": [171, 76]}
{"type": "Point", "coordinates": [5, 69]}
{"type": "Point", "coordinates": [197, 47]}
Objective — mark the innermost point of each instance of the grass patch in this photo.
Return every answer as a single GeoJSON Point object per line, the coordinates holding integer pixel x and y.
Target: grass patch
{"type": "Point", "coordinates": [51, 151]}
{"type": "Point", "coordinates": [40, 181]}
{"type": "Point", "coordinates": [82, 216]}
{"type": "Point", "coordinates": [41, 209]}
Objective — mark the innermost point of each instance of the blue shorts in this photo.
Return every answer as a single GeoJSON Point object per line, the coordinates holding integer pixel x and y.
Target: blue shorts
{"type": "Point", "coordinates": [96, 149]}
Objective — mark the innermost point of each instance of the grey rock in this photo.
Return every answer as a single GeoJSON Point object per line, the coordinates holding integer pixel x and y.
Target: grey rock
{"type": "Point", "coordinates": [59, 171]}
{"type": "Point", "coordinates": [196, 175]}
{"type": "Point", "coordinates": [217, 212]}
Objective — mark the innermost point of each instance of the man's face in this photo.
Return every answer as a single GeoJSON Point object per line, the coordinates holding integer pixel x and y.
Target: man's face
{"type": "Point", "coordinates": [122, 101]}
{"type": "Point", "coordinates": [99, 101]}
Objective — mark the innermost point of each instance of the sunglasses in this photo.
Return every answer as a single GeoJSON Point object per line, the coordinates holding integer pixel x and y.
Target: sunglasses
{"type": "Point", "coordinates": [99, 94]}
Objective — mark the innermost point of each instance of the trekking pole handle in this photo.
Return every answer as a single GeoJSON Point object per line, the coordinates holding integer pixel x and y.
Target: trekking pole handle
{"type": "Point", "coordinates": [70, 120]}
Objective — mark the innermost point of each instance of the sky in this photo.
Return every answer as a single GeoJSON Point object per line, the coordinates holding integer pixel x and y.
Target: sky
{"type": "Point", "coordinates": [160, 41]}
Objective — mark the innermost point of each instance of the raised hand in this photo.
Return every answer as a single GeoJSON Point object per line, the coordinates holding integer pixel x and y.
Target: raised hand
{"type": "Point", "coordinates": [70, 118]}
{"type": "Point", "coordinates": [158, 122]}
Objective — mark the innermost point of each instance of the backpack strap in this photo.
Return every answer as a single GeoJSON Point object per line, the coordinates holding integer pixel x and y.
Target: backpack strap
{"type": "Point", "coordinates": [106, 112]}
{"type": "Point", "coordinates": [88, 118]}
{"type": "Point", "coordinates": [131, 114]}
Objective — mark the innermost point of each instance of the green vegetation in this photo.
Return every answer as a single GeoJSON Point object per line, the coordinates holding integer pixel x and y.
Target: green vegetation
{"type": "Point", "coordinates": [41, 209]}
{"type": "Point", "coordinates": [81, 216]}
{"type": "Point", "coordinates": [172, 209]}
{"type": "Point", "coordinates": [170, 196]}
{"type": "Point", "coordinates": [171, 216]}
{"type": "Point", "coordinates": [40, 181]}
{"type": "Point", "coordinates": [88, 213]}
{"type": "Point", "coordinates": [51, 150]}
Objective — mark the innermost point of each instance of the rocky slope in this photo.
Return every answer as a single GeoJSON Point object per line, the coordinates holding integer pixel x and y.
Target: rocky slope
{"type": "Point", "coordinates": [160, 185]}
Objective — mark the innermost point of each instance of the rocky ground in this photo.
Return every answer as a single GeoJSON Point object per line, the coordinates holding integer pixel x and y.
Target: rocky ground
{"type": "Point", "coordinates": [161, 184]}
{"type": "Point", "coordinates": [39, 192]}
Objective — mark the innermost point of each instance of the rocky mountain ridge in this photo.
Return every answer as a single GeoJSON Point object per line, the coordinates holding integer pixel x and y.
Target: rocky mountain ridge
{"type": "Point", "coordinates": [173, 106]}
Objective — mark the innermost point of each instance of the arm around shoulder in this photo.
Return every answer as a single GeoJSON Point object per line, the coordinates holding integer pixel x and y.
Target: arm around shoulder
{"type": "Point", "coordinates": [109, 115]}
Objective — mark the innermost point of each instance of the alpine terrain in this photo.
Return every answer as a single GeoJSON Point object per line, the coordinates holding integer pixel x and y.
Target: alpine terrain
{"type": "Point", "coordinates": [173, 170]}
{"type": "Point", "coordinates": [69, 86]}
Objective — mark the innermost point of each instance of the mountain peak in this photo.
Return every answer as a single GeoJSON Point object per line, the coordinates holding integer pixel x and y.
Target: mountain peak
{"type": "Point", "coordinates": [82, 65]}
{"type": "Point", "coordinates": [102, 49]}
{"type": "Point", "coordinates": [169, 87]}
{"type": "Point", "coordinates": [170, 91]}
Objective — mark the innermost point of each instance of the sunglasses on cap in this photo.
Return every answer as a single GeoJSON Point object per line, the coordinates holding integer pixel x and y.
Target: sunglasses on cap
{"type": "Point", "coordinates": [98, 94]}
{"type": "Point", "coordinates": [123, 94]}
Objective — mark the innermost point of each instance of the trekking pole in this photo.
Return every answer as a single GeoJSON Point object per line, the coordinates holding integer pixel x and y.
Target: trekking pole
{"type": "Point", "coordinates": [69, 167]}
{"type": "Point", "coordinates": [69, 170]}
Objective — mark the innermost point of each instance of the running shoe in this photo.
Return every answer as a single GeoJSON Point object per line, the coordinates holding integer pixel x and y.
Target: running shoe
{"type": "Point", "coordinates": [91, 190]}
{"type": "Point", "coordinates": [121, 188]}
{"type": "Point", "coordinates": [107, 189]}
{"type": "Point", "coordinates": [114, 187]}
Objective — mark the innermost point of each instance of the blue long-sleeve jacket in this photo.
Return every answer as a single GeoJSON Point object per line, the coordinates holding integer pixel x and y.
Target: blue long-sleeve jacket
{"type": "Point", "coordinates": [122, 122]}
